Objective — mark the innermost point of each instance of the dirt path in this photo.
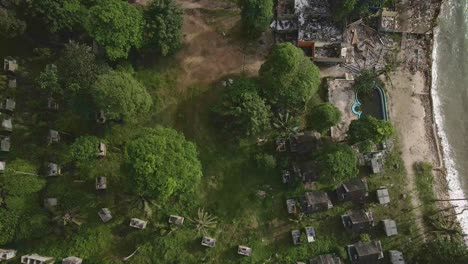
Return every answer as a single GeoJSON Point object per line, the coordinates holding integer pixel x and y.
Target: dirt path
{"type": "Point", "coordinates": [208, 53]}
{"type": "Point", "coordinates": [408, 115]}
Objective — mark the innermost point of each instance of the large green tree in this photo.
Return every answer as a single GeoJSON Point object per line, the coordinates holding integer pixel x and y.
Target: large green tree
{"type": "Point", "coordinates": [84, 150]}
{"type": "Point", "coordinates": [288, 78]}
{"type": "Point", "coordinates": [120, 96]}
{"type": "Point", "coordinates": [116, 25]}
{"type": "Point", "coordinates": [337, 164]}
{"type": "Point", "coordinates": [163, 163]}
{"type": "Point", "coordinates": [324, 116]}
{"type": "Point", "coordinates": [10, 25]}
{"type": "Point", "coordinates": [48, 79]}
{"type": "Point", "coordinates": [58, 15]}
{"type": "Point", "coordinates": [163, 26]}
{"type": "Point", "coordinates": [256, 15]}
{"type": "Point", "coordinates": [366, 81]}
{"type": "Point", "coordinates": [370, 128]}
{"type": "Point", "coordinates": [244, 112]}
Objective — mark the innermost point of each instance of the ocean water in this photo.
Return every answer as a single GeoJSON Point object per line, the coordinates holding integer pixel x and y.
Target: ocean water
{"type": "Point", "coordinates": [450, 96]}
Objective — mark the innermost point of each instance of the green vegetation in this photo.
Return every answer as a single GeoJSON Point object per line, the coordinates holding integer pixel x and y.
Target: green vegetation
{"type": "Point", "coordinates": [324, 116]}
{"type": "Point", "coordinates": [115, 25]}
{"type": "Point", "coordinates": [59, 15]}
{"type": "Point", "coordinates": [337, 163]}
{"type": "Point", "coordinates": [424, 183]}
{"type": "Point", "coordinates": [10, 25]}
{"type": "Point", "coordinates": [256, 16]}
{"type": "Point", "coordinates": [163, 27]}
{"type": "Point", "coordinates": [288, 78]}
{"type": "Point", "coordinates": [84, 150]}
{"type": "Point", "coordinates": [443, 250]}
{"type": "Point", "coordinates": [370, 128]}
{"type": "Point", "coordinates": [366, 81]}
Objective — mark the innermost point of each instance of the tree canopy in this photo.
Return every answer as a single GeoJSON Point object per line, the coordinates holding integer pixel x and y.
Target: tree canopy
{"type": "Point", "coordinates": [324, 116]}
{"type": "Point", "coordinates": [84, 150]}
{"type": "Point", "coordinates": [48, 79]}
{"type": "Point", "coordinates": [10, 25]}
{"type": "Point", "coordinates": [115, 25]}
{"type": "Point", "coordinates": [120, 96]}
{"type": "Point", "coordinates": [370, 128]}
{"type": "Point", "coordinates": [163, 164]}
{"type": "Point", "coordinates": [256, 15]}
{"type": "Point", "coordinates": [163, 26]}
{"type": "Point", "coordinates": [288, 78]}
{"type": "Point", "coordinates": [243, 110]}
{"type": "Point", "coordinates": [59, 15]}
{"type": "Point", "coordinates": [365, 82]}
{"type": "Point", "coordinates": [337, 164]}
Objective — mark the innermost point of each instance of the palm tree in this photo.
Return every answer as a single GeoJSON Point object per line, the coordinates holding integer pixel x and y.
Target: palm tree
{"type": "Point", "coordinates": [286, 124]}
{"type": "Point", "coordinates": [143, 203]}
{"type": "Point", "coordinates": [204, 221]}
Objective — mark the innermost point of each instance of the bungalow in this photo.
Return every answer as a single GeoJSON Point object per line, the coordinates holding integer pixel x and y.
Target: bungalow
{"type": "Point", "coordinates": [101, 117]}
{"type": "Point", "coordinates": [52, 104]}
{"type": "Point", "coordinates": [36, 259]}
{"type": "Point", "coordinates": [50, 202]}
{"type": "Point", "coordinates": [53, 170]}
{"type": "Point", "coordinates": [315, 201]}
{"type": "Point", "coordinates": [383, 196]}
{"type": "Point", "coordinates": [176, 220]}
{"type": "Point", "coordinates": [208, 242]}
{"type": "Point", "coordinates": [286, 176]}
{"type": "Point", "coordinates": [306, 171]}
{"type": "Point", "coordinates": [5, 144]}
{"type": "Point", "coordinates": [374, 160]}
{"type": "Point", "coordinates": [138, 223]}
{"type": "Point", "coordinates": [291, 205]}
{"type": "Point", "coordinates": [296, 237]}
{"type": "Point", "coordinates": [8, 105]}
{"type": "Point", "coordinates": [304, 142]}
{"type": "Point", "coordinates": [390, 227]}
{"type": "Point", "coordinates": [365, 253]}
{"type": "Point", "coordinates": [6, 254]}
{"type": "Point", "coordinates": [355, 190]}
{"type": "Point", "coordinates": [101, 183]}
{"type": "Point", "coordinates": [2, 166]}
{"type": "Point", "coordinates": [10, 65]}
{"type": "Point", "coordinates": [7, 125]}
{"type": "Point", "coordinates": [358, 221]}
{"type": "Point", "coordinates": [72, 260]}
{"type": "Point", "coordinates": [243, 250]}
{"type": "Point", "coordinates": [53, 136]}
{"type": "Point", "coordinates": [396, 257]}
{"type": "Point", "coordinates": [12, 83]}
{"type": "Point", "coordinates": [326, 259]}
{"type": "Point", "coordinates": [105, 215]}
{"type": "Point", "coordinates": [102, 151]}
{"type": "Point", "coordinates": [310, 233]}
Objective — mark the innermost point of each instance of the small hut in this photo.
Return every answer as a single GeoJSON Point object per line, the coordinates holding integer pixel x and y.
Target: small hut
{"type": "Point", "coordinates": [105, 215]}
{"type": "Point", "coordinates": [355, 190]}
{"type": "Point", "coordinates": [2, 166]}
{"type": "Point", "coordinates": [244, 251]}
{"type": "Point", "coordinates": [7, 125]}
{"type": "Point", "coordinates": [291, 205]}
{"type": "Point", "coordinates": [10, 65]}
{"type": "Point", "coordinates": [8, 105]}
{"type": "Point", "coordinates": [390, 227]}
{"type": "Point", "coordinates": [101, 117]}
{"type": "Point", "coordinates": [5, 144]}
{"type": "Point", "coordinates": [358, 221]}
{"type": "Point", "coordinates": [36, 259]}
{"type": "Point", "coordinates": [12, 83]}
{"type": "Point", "coordinates": [102, 151]}
{"type": "Point", "coordinates": [50, 202]}
{"type": "Point", "coordinates": [296, 236]}
{"type": "Point", "coordinates": [176, 220]}
{"type": "Point", "coordinates": [53, 136]}
{"type": "Point", "coordinates": [53, 170]}
{"type": "Point", "coordinates": [72, 260]}
{"type": "Point", "coordinates": [326, 259]}
{"type": "Point", "coordinates": [396, 257]}
{"type": "Point", "coordinates": [208, 242]}
{"type": "Point", "coordinates": [138, 223]}
{"type": "Point", "coordinates": [383, 196]}
{"type": "Point", "coordinates": [286, 176]}
{"type": "Point", "coordinates": [315, 201]}
{"type": "Point", "coordinates": [6, 254]}
{"type": "Point", "coordinates": [101, 183]}
{"type": "Point", "coordinates": [365, 252]}
{"type": "Point", "coordinates": [310, 233]}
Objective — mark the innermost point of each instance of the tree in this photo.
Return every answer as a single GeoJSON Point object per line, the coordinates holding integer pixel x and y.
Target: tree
{"type": "Point", "coordinates": [442, 250]}
{"type": "Point", "coordinates": [163, 26]}
{"type": "Point", "coordinates": [343, 9]}
{"type": "Point", "coordinates": [256, 15]}
{"type": "Point", "coordinates": [59, 14]}
{"type": "Point", "coordinates": [120, 96]}
{"type": "Point", "coordinates": [204, 221]}
{"type": "Point", "coordinates": [370, 128]}
{"type": "Point", "coordinates": [324, 116]}
{"type": "Point", "coordinates": [48, 80]}
{"type": "Point", "coordinates": [365, 82]}
{"type": "Point", "coordinates": [243, 110]}
{"type": "Point", "coordinates": [10, 25]}
{"type": "Point", "coordinates": [288, 78]}
{"type": "Point", "coordinates": [163, 164]}
{"type": "Point", "coordinates": [337, 163]}
{"type": "Point", "coordinates": [116, 25]}
{"type": "Point", "coordinates": [77, 66]}
{"type": "Point", "coordinates": [84, 150]}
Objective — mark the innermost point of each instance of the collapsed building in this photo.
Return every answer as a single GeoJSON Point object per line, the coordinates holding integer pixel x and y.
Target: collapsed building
{"type": "Point", "coordinates": [308, 25]}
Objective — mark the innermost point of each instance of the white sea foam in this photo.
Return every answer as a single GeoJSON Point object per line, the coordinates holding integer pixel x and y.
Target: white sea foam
{"type": "Point", "coordinates": [453, 177]}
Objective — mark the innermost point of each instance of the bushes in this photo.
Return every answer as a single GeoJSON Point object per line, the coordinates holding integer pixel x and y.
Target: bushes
{"type": "Point", "coordinates": [324, 116]}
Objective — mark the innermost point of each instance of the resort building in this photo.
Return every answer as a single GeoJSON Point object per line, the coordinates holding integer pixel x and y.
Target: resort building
{"type": "Point", "coordinates": [315, 202]}
{"type": "Point", "coordinates": [383, 196]}
{"type": "Point", "coordinates": [138, 223]}
{"type": "Point", "coordinates": [354, 190]}
{"type": "Point", "coordinates": [7, 254]}
{"type": "Point", "coordinates": [244, 251]}
{"type": "Point", "coordinates": [365, 253]}
{"type": "Point", "coordinates": [208, 242]}
{"type": "Point", "coordinates": [358, 221]}
{"type": "Point", "coordinates": [176, 220]}
{"type": "Point", "coordinates": [326, 259]}
{"type": "Point", "coordinates": [105, 215]}
{"type": "Point", "coordinates": [36, 259]}
{"type": "Point", "coordinates": [390, 227]}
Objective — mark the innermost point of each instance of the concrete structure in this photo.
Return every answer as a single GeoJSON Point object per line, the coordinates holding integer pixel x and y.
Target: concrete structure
{"type": "Point", "coordinates": [2, 166]}
{"type": "Point", "coordinates": [315, 202]}
{"type": "Point", "coordinates": [72, 260]}
{"type": "Point", "coordinates": [243, 250]}
{"type": "Point", "coordinates": [53, 136]}
{"type": "Point", "coordinates": [341, 94]}
{"type": "Point", "coordinates": [7, 125]}
{"type": "Point", "coordinates": [5, 144]}
{"type": "Point", "coordinates": [7, 254]}
{"type": "Point", "coordinates": [102, 150]}
{"type": "Point", "coordinates": [101, 183]}
{"type": "Point", "coordinates": [358, 221]}
{"type": "Point", "coordinates": [53, 170]}
{"type": "Point", "coordinates": [365, 253]}
{"type": "Point", "coordinates": [36, 259]}
{"type": "Point", "coordinates": [138, 223]}
{"type": "Point", "coordinates": [176, 220]}
{"type": "Point", "coordinates": [208, 242]}
{"type": "Point", "coordinates": [8, 105]}
{"type": "Point", "coordinates": [105, 215]}
{"type": "Point", "coordinates": [383, 195]}
{"type": "Point", "coordinates": [296, 236]}
{"type": "Point", "coordinates": [310, 234]}
{"type": "Point", "coordinates": [354, 190]}
{"type": "Point", "coordinates": [10, 65]}
{"type": "Point", "coordinates": [396, 257]}
{"type": "Point", "coordinates": [291, 205]}
{"type": "Point", "coordinates": [388, 21]}
{"type": "Point", "coordinates": [390, 227]}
